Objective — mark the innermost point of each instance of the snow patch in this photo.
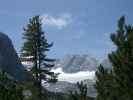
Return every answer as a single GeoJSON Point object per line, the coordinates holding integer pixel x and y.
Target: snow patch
{"type": "Point", "coordinates": [74, 77]}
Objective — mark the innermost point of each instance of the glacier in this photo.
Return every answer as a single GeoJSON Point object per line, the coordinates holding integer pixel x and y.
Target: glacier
{"type": "Point", "coordinates": [74, 77]}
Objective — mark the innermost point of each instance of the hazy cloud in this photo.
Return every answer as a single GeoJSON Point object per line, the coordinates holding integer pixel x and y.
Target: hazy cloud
{"type": "Point", "coordinates": [59, 21]}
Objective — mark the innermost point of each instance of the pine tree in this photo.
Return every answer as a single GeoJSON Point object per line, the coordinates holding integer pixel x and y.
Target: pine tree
{"type": "Point", "coordinates": [117, 84]}
{"type": "Point", "coordinates": [122, 59]}
{"type": "Point", "coordinates": [34, 50]}
{"type": "Point", "coordinates": [101, 74]}
{"type": "Point", "coordinates": [105, 84]}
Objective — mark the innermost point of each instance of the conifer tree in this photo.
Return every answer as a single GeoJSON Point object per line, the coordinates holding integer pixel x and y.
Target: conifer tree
{"type": "Point", "coordinates": [122, 59]}
{"type": "Point", "coordinates": [101, 73]}
{"type": "Point", "coordinates": [34, 50]}
{"type": "Point", "coordinates": [117, 84]}
{"type": "Point", "coordinates": [105, 84]}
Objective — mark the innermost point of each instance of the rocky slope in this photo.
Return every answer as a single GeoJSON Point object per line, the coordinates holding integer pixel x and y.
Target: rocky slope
{"type": "Point", "coordinates": [9, 60]}
{"type": "Point", "coordinates": [76, 63]}
{"type": "Point", "coordinates": [73, 69]}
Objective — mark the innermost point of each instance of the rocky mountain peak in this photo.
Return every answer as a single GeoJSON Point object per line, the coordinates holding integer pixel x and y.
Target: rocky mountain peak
{"type": "Point", "coordinates": [76, 63]}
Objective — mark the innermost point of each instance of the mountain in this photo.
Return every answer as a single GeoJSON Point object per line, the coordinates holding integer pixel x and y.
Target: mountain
{"type": "Point", "coordinates": [73, 69]}
{"type": "Point", "coordinates": [9, 60]}
{"type": "Point", "coordinates": [76, 63]}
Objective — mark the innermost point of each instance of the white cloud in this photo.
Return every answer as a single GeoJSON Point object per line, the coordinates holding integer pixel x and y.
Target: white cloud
{"type": "Point", "coordinates": [60, 21]}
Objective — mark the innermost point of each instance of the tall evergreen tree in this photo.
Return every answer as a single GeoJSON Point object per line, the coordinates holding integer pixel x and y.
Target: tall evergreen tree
{"type": "Point", "coordinates": [122, 59]}
{"type": "Point", "coordinates": [119, 85]}
{"type": "Point", "coordinates": [34, 50]}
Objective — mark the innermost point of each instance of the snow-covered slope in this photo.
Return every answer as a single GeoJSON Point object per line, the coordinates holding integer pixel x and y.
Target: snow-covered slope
{"type": "Point", "coordinates": [74, 77]}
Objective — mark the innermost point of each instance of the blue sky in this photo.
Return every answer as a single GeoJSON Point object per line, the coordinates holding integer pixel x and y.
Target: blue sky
{"type": "Point", "coordinates": [75, 26]}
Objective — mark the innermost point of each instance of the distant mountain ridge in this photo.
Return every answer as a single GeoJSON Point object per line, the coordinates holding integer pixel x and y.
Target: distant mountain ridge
{"type": "Point", "coordinates": [76, 63]}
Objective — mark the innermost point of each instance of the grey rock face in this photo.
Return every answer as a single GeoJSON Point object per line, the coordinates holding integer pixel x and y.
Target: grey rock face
{"type": "Point", "coordinates": [66, 87]}
{"type": "Point", "coordinates": [91, 89]}
{"type": "Point", "coordinates": [76, 63]}
{"type": "Point", "coordinates": [9, 60]}
{"type": "Point", "coordinates": [60, 86]}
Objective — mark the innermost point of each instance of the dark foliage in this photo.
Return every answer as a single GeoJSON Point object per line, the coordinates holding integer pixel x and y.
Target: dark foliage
{"type": "Point", "coordinates": [34, 50]}
{"type": "Point", "coordinates": [117, 84]}
{"type": "Point", "coordinates": [9, 89]}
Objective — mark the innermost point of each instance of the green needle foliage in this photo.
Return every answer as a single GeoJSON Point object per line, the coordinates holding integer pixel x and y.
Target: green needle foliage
{"type": "Point", "coordinates": [34, 50]}
{"type": "Point", "coordinates": [122, 59]}
{"type": "Point", "coordinates": [9, 89]}
{"type": "Point", "coordinates": [105, 84]}
{"type": "Point", "coordinates": [118, 83]}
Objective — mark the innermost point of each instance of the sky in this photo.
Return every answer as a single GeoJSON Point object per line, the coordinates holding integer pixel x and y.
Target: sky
{"type": "Point", "coordinates": [75, 26]}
